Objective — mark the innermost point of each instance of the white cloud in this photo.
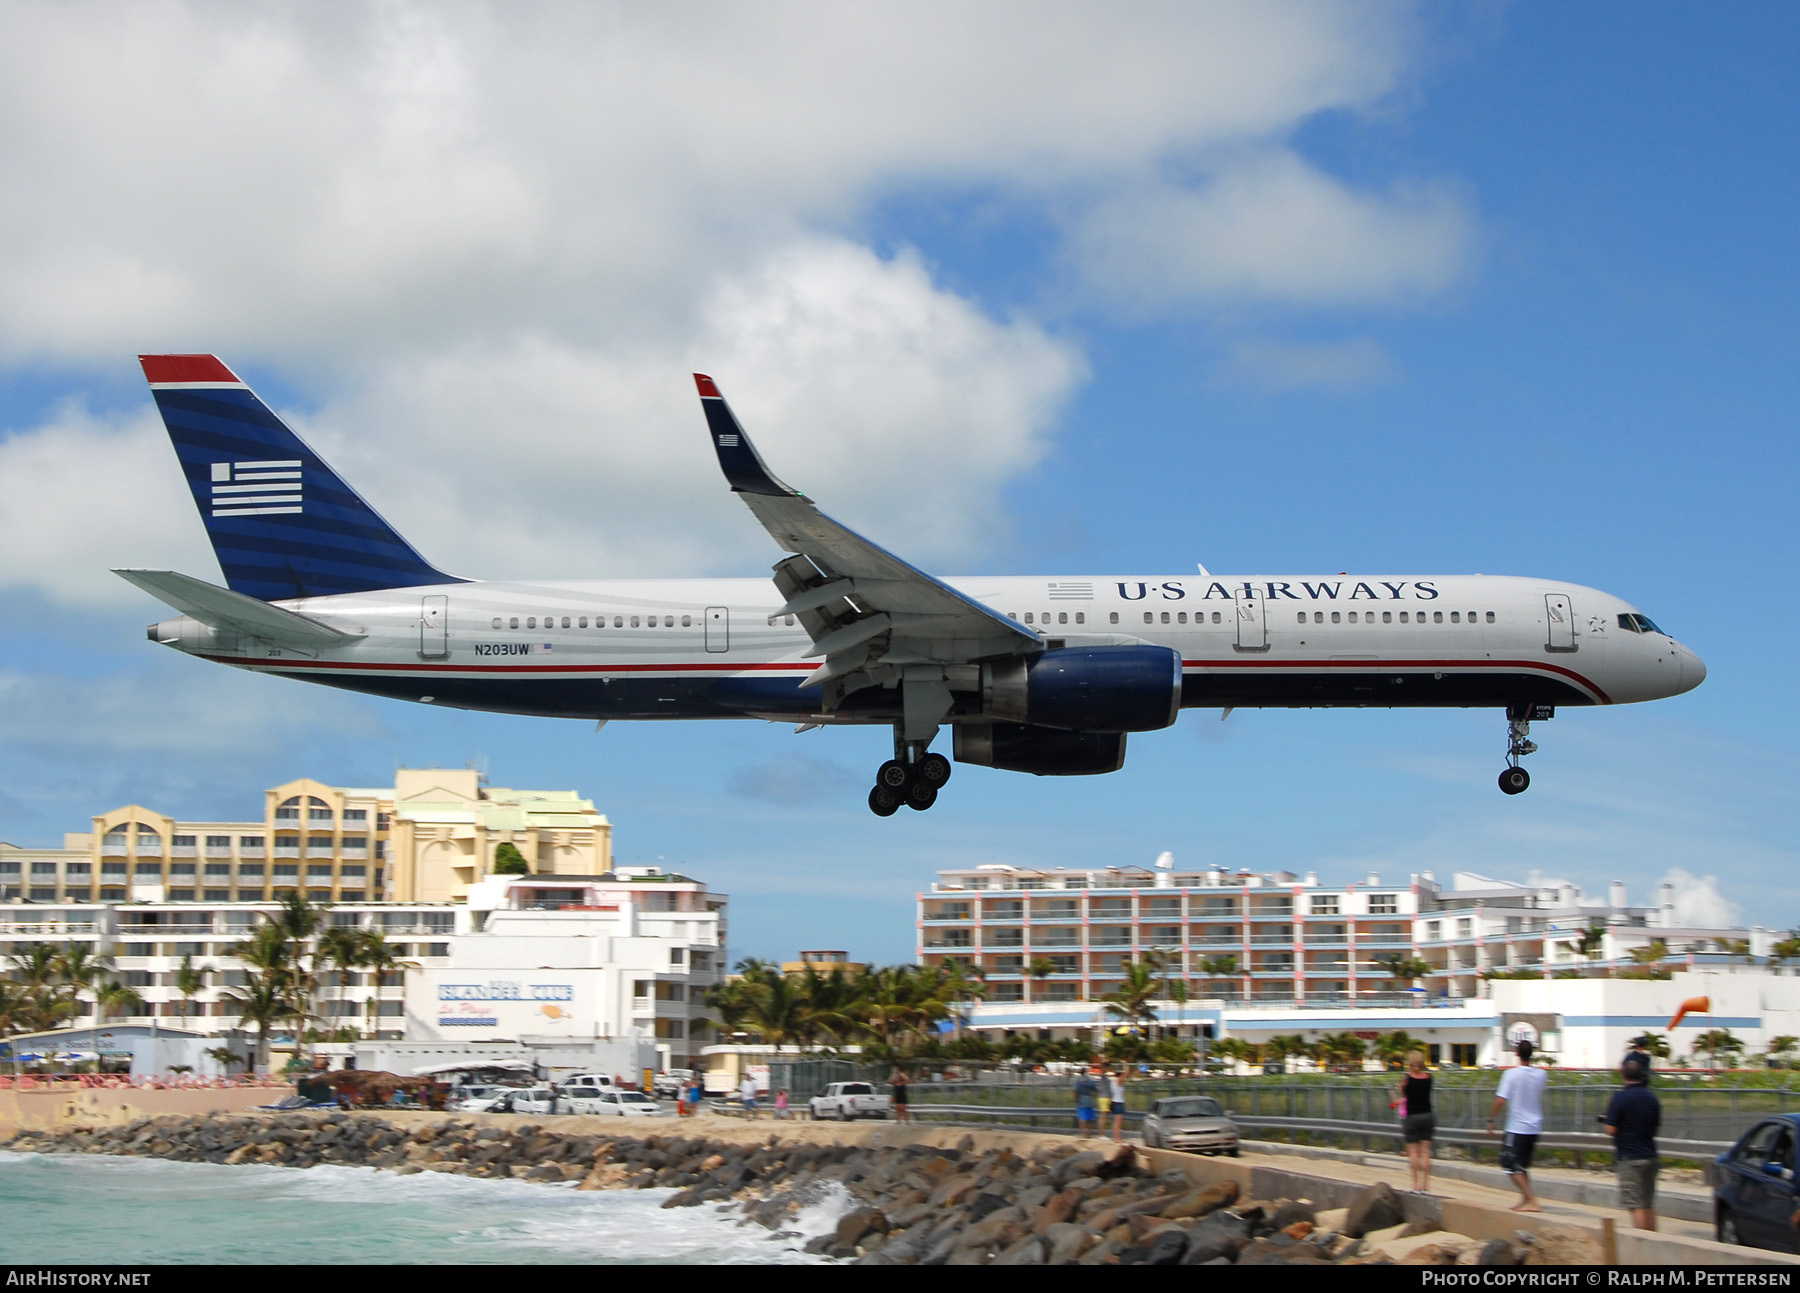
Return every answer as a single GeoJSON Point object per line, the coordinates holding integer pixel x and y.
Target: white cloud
{"type": "Point", "coordinates": [1271, 227]}
{"type": "Point", "coordinates": [491, 241]}
{"type": "Point", "coordinates": [1698, 901]}
{"type": "Point", "coordinates": [1327, 365]}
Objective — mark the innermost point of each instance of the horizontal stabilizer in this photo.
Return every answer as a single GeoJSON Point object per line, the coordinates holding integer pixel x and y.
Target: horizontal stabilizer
{"type": "Point", "coordinates": [223, 609]}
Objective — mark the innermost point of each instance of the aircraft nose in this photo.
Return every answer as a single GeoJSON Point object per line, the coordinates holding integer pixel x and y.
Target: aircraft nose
{"type": "Point", "coordinates": [1693, 670]}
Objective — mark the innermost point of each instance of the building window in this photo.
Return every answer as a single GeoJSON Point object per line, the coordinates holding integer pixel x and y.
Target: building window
{"type": "Point", "coordinates": [42, 868]}
{"type": "Point", "coordinates": [250, 844]}
{"type": "Point", "coordinates": [1433, 931]}
{"type": "Point", "coordinates": [1325, 904]}
{"type": "Point", "coordinates": [1384, 904]}
{"type": "Point", "coordinates": [149, 870]}
{"type": "Point", "coordinates": [181, 895]}
{"type": "Point", "coordinates": [355, 815]}
{"type": "Point", "coordinates": [181, 841]}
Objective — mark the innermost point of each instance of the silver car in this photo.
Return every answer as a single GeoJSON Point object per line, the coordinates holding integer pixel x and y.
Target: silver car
{"type": "Point", "coordinates": [1194, 1123]}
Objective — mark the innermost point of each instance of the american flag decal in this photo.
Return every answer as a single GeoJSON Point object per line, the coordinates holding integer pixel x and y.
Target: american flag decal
{"type": "Point", "coordinates": [728, 442]}
{"type": "Point", "coordinates": [1078, 591]}
{"type": "Point", "coordinates": [256, 488]}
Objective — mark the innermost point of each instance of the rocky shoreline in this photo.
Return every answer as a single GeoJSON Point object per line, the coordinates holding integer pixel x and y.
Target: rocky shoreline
{"type": "Point", "coordinates": [915, 1204]}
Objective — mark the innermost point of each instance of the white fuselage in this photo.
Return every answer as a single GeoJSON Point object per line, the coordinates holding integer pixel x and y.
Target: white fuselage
{"type": "Point", "coordinates": [705, 648]}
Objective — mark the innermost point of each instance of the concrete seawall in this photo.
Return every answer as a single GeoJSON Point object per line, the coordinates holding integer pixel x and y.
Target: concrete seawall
{"type": "Point", "coordinates": [109, 1106]}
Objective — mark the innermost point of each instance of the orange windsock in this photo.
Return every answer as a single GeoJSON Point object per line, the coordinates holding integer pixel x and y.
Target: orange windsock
{"type": "Point", "coordinates": [1692, 1006]}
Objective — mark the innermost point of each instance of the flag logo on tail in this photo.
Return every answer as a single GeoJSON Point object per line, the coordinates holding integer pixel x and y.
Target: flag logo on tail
{"type": "Point", "coordinates": [256, 488]}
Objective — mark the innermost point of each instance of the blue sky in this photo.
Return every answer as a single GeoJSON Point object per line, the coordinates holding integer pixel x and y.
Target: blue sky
{"type": "Point", "coordinates": [1508, 289]}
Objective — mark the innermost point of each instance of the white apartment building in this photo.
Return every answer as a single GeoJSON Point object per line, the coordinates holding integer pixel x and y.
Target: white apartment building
{"type": "Point", "coordinates": [148, 941]}
{"type": "Point", "coordinates": [626, 955]}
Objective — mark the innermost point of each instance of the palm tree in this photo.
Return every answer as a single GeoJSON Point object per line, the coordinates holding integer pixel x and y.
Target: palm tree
{"type": "Point", "coordinates": [110, 995]}
{"type": "Point", "coordinates": [960, 986]}
{"type": "Point", "coordinates": [1131, 1000]}
{"type": "Point", "coordinates": [1654, 1045]}
{"type": "Point", "coordinates": [1715, 1042]}
{"type": "Point", "coordinates": [1233, 1050]}
{"type": "Point", "coordinates": [1220, 967]}
{"type": "Point", "coordinates": [1591, 941]}
{"type": "Point", "coordinates": [381, 959]}
{"type": "Point", "coordinates": [1340, 1050]}
{"type": "Point", "coordinates": [1408, 969]}
{"type": "Point", "coordinates": [190, 981]}
{"type": "Point", "coordinates": [299, 920]}
{"type": "Point", "coordinates": [1041, 968]}
{"type": "Point", "coordinates": [79, 966]}
{"type": "Point", "coordinates": [341, 947]}
{"type": "Point", "coordinates": [1651, 953]}
{"type": "Point", "coordinates": [1779, 1048]}
{"type": "Point", "coordinates": [1788, 948]}
{"type": "Point", "coordinates": [1286, 1045]}
{"type": "Point", "coordinates": [1392, 1048]}
{"type": "Point", "coordinates": [265, 1002]}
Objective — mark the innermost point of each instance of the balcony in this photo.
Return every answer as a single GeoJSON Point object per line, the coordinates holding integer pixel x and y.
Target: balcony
{"type": "Point", "coordinates": [1271, 940]}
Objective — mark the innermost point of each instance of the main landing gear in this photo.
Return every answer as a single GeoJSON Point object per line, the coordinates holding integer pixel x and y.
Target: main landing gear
{"type": "Point", "coordinates": [912, 777]}
{"type": "Point", "coordinates": [1514, 779]}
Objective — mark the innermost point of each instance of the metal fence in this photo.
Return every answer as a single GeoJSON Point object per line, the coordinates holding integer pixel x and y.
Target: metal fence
{"type": "Point", "coordinates": [1702, 1116]}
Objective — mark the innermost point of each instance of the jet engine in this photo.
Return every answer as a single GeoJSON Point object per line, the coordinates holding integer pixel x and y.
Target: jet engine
{"type": "Point", "coordinates": [1041, 751]}
{"type": "Point", "coordinates": [1086, 689]}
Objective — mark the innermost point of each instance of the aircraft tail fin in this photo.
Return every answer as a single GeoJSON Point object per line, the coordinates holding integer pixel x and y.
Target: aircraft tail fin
{"type": "Point", "coordinates": [281, 521]}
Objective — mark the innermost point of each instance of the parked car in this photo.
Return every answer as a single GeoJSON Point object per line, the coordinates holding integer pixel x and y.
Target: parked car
{"type": "Point", "coordinates": [478, 1098]}
{"type": "Point", "coordinates": [623, 1104]}
{"type": "Point", "coordinates": [535, 1099]}
{"type": "Point", "coordinates": [846, 1100]}
{"type": "Point", "coordinates": [1754, 1196]}
{"type": "Point", "coordinates": [1195, 1123]}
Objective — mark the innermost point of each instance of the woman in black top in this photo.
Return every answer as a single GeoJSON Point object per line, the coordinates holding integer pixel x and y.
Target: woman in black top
{"type": "Point", "coordinates": [1420, 1123]}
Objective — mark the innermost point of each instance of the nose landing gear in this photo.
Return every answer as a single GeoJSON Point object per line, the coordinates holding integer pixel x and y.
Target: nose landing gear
{"type": "Point", "coordinates": [1514, 779]}
{"type": "Point", "coordinates": [912, 777]}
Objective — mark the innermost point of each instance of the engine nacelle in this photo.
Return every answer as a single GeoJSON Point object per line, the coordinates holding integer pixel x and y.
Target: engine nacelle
{"type": "Point", "coordinates": [1086, 689]}
{"type": "Point", "coordinates": [1041, 751]}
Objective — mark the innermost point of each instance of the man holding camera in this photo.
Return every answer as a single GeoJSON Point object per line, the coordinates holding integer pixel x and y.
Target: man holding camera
{"type": "Point", "coordinates": [1632, 1118]}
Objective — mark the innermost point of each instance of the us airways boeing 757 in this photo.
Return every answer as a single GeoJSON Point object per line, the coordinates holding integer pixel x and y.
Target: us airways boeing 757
{"type": "Point", "coordinates": [1039, 675]}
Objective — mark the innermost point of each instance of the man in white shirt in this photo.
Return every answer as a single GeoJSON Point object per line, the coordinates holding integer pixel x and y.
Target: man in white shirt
{"type": "Point", "coordinates": [747, 1094]}
{"type": "Point", "coordinates": [1521, 1094]}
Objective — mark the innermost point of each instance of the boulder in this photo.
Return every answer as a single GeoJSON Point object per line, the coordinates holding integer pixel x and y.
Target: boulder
{"type": "Point", "coordinates": [1057, 1209]}
{"type": "Point", "coordinates": [1167, 1247]}
{"type": "Point", "coordinates": [1032, 1250]}
{"type": "Point", "coordinates": [1376, 1208]}
{"type": "Point", "coordinates": [853, 1225]}
{"type": "Point", "coordinates": [1564, 1246]}
{"type": "Point", "coordinates": [1086, 1163]}
{"type": "Point", "coordinates": [1198, 1203]}
{"type": "Point", "coordinates": [1287, 1214]}
{"type": "Point", "coordinates": [1068, 1242]}
{"type": "Point", "coordinates": [1497, 1252]}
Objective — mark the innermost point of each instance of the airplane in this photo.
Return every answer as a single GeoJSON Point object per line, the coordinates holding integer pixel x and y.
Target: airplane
{"type": "Point", "coordinates": [1036, 675]}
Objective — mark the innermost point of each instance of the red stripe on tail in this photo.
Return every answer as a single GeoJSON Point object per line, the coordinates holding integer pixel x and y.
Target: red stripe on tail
{"type": "Point", "coordinates": [185, 368]}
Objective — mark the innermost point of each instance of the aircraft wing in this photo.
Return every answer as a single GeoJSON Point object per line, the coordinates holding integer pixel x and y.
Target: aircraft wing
{"type": "Point", "coordinates": [222, 608]}
{"type": "Point", "coordinates": [862, 606]}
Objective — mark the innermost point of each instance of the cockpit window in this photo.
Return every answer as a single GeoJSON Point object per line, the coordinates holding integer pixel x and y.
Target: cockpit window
{"type": "Point", "coordinates": [1638, 624]}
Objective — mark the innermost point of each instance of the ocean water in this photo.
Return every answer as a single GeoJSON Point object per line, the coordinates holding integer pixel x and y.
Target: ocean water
{"type": "Point", "coordinates": [96, 1209]}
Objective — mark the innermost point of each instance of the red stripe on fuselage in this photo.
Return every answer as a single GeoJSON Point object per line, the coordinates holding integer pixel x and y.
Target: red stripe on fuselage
{"type": "Point", "coordinates": [1333, 666]}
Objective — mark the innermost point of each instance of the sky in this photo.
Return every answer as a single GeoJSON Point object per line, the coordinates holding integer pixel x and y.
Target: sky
{"type": "Point", "coordinates": [1010, 288]}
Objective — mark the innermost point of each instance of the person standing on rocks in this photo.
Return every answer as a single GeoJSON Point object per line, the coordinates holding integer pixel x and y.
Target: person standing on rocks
{"type": "Point", "coordinates": [1521, 1094]}
{"type": "Point", "coordinates": [1633, 1117]}
{"type": "Point", "coordinates": [1420, 1123]}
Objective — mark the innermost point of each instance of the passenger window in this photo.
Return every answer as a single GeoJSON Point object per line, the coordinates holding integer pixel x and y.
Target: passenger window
{"type": "Point", "coordinates": [1387, 617]}
{"type": "Point", "coordinates": [1353, 617]}
{"type": "Point", "coordinates": [565, 621]}
{"type": "Point", "coordinates": [1028, 618]}
{"type": "Point", "coordinates": [789, 621]}
{"type": "Point", "coordinates": [1218, 618]}
{"type": "Point", "coordinates": [515, 621]}
{"type": "Point", "coordinates": [1437, 617]}
{"type": "Point", "coordinates": [619, 621]}
{"type": "Point", "coordinates": [1336, 618]}
{"type": "Point", "coordinates": [1062, 617]}
{"type": "Point", "coordinates": [1318, 616]}
{"type": "Point", "coordinates": [1149, 617]}
{"type": "Point", "coordinates": [1012, 615]}
{"type": "Point", "coordinates": [583, 622]}
{"type": "Point", "coordinates": [1301, 617]}
{"type": "Point", "coordinates": [1181, 617]}
{"type": "Point", "coordinates": [1081, 617]}
{"type": "Point", "coordinates": [1490, 617]}
{"type": "Point", "coordinates": [687, 621]}
{"type": "Point", "coordinates": [1403, 617]}
{"type": "Point", "coordinates": [634, 621]}
{"type": "Point", "coordinates": [1454, 618]}
{"type": "Point", "coordinates": [1165, 617]}
{"type": "Point", "coordinates": [1113, 618]}
{"type": "Point", "coordinates": [531, 621]}
{"type": "Point", "coordinates": [496, 621]}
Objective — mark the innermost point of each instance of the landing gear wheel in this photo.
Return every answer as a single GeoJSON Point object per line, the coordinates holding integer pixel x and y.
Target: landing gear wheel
{"type": "Point", "coordinates": [934, 770]}
{"type": "Point", "coordinates": [894, 775]}
{"type": "Point", "coordinates": [1514, 780]}
{"type": "Point", "coordinates": [920, 796]}
{"type": "Point", "coordinates": [884, 802]}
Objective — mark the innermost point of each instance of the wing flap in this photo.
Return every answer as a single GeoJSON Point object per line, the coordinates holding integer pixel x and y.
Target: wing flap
{"type": "Point", "coordinates": [222, 608]}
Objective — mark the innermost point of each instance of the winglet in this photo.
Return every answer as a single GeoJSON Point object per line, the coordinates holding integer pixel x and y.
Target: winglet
{"type": "Point", "coordinates": [738, 459]}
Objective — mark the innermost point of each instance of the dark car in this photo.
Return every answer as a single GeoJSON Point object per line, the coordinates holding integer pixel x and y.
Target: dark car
{"type": "Point", "coordinates": [1753, 1187]}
